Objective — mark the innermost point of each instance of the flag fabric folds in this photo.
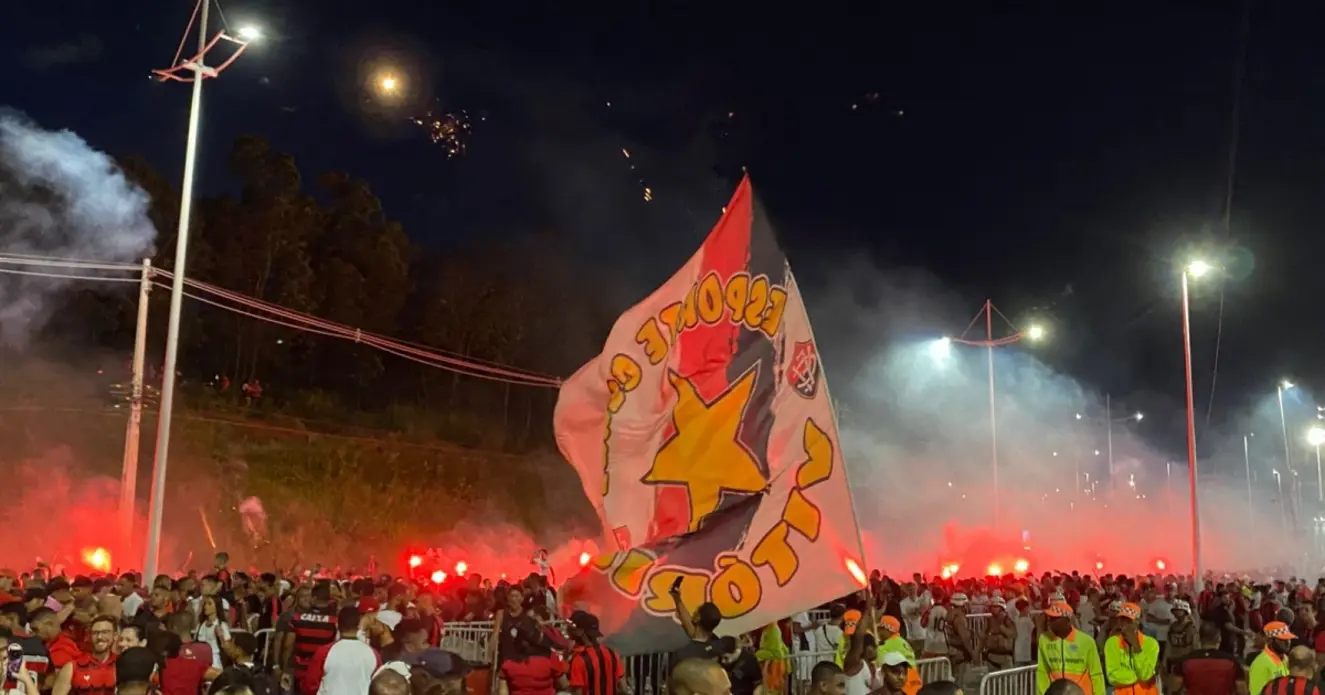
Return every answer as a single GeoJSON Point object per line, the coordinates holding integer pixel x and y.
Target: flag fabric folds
{"type": "Point", "coordinates": [705, 439]}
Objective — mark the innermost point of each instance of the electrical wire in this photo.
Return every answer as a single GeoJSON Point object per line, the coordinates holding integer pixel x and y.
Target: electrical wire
{"type": "Point", "coordinates": [278, 315]}
{"type": "Point", "coordinates": [62, 276]}
{"type": "Point", "coordinates": [1235, 123]}
{"type": "Point", "coordinates": [464, 365]}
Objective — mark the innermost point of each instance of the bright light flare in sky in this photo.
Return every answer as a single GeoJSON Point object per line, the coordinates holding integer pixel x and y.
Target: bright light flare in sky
{"type": "Point", "coordinates": [388, 83]}
{"type": "Point", "coordinates": [1035, 332]}
{"type": "Point", "coordinates": [995, 570]}
{"type": "Point", "coordinates": [250, 33]}
{"type": "Point", "coordinates": [1198, 268]}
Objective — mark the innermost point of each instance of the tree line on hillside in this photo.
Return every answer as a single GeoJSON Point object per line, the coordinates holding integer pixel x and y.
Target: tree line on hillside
{"type": "Point", "coordinates": [328, 248]}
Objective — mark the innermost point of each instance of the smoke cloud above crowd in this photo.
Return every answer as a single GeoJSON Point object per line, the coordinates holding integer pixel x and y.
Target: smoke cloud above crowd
{"type": "Point", "coordinates": [60, 197]}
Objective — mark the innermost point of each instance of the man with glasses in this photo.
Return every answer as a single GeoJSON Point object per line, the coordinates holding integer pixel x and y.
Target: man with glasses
{"type": "Point", "coordinates": [91, 673]}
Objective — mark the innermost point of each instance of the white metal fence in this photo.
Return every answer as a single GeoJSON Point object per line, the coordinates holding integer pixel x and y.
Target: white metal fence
{"type": "Point", "coordinates": [1013, 681]}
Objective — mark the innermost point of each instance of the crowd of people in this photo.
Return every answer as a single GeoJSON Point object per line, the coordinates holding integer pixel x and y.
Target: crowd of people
{"type": "Point", "coordinates": [237, 633]}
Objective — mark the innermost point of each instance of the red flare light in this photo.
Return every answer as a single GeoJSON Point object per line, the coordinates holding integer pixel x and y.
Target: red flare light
{"type": "Point", "coordinates": [461, 567]}
{"type": "Point", "coordinates": [996, 570]}
{"type": "Point", "coordinates": [584, 559]}
{"type": "Point", "coordinates": [857, 572]}
{"type": "Point", "coordinates": [1161, 565]}
{"type": "Point", "coordinates": [415, 561]}
{"type": "Point", "coordinates": [1021, 566]}
{"type": "Point", "coordinates": [438, 577]}
{"type": "Point", "coordinates": [97, 558]}
{"type": "Point", "coordinates": [950, 571]}
{"type": "Point", "coordinates": [1099, 565]}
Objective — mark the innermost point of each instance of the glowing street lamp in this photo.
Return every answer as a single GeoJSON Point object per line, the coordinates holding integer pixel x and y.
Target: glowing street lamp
{"type": "Point", "coordinates": [1035, 332]}
{"type": "Point", "coordinates": [388, 83]}
{"type": "Point", "coordinates": [250, 33]}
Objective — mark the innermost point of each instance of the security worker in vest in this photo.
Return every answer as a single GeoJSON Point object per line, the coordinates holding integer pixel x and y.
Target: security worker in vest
{"type": "Point", "coordinates": [1066, 652]}
{"type": "Point", "coordinates": [1271, 662]}
{"type": "Point", "coordinates": [1132, 657]}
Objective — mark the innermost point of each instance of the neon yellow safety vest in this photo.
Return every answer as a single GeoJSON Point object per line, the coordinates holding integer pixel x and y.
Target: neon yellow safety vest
{"type": "Point", "coordinates": [1075, 658]}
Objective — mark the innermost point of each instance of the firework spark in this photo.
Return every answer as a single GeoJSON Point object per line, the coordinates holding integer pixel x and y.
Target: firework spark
{"type": "Point", "coordinates": [450, 131]}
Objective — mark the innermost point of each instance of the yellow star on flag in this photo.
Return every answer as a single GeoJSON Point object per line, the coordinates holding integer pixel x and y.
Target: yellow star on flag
{"type": "Point", "coordinates": [704, 452]}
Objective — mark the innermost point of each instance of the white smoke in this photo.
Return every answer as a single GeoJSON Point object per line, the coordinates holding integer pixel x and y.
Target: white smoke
{"type": "Point", "coordinates": [60, 197]}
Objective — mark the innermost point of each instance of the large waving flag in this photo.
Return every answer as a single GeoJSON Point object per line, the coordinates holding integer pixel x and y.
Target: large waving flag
{"type": "Point", "coordinates": [705, 438]}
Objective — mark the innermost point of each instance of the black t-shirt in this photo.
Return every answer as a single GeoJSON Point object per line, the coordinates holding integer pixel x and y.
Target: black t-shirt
{"type": "Point", "coordinates": [1209, 672]}
{"type": "Point", "coordinates": [696, 650]}
{"type": "Point", "coordinates": [745, 674]}
{"type": "Point", "coordinates": [1223, 617]}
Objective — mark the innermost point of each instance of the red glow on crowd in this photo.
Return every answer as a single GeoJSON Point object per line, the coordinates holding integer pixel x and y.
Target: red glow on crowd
{"type": "Point", "coordinates": [995, 570]}
{"type": "Point", "coordinates": [97, 558]}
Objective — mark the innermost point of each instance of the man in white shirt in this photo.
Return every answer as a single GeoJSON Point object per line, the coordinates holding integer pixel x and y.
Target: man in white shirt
{"type": "Point", "coordinates": [913, 608]}
{"type": "Point", "coordinates": [346, 666]}
{"type": "Point", "coordinates": [1157, 616]}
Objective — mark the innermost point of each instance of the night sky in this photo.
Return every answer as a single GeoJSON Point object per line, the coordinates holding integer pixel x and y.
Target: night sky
{"type": "Point", "coordinates": [1064, 160]}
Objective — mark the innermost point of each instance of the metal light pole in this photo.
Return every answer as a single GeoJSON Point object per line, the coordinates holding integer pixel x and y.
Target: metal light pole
{"type": "Point", "coordinates": [129, 472]}
{"type": "Point", "coordinates": [1279, 480]}
{"type": "Point", "coordinates": [1246, 459]}
{"type": "Point", "coordinates": [198, 71]}
{"type": "Point", "coordinates": [943, 346]}
{"type": "Point", "coordinates": [1108, 418]}
{"type": "Point", "coordinates": [1196, 269]}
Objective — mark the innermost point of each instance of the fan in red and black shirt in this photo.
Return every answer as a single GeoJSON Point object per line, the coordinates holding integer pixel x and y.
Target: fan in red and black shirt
{"type": "Point", "coordinates": [1208, 670]}
{"type": "Point", "coordinates": [93, 672]}
{"type": "Point", "coordinates": [62, 648]}
{"type": "Point", "coordinates": [594, 668]}
{"type": "Point", "coordinates": [1301, 675]}
{"type": "Point", "coordinates": [312, 629]}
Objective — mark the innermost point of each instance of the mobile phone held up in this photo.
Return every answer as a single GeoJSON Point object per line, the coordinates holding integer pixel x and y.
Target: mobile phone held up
{"type": "Point", "coordinates": [13, 660]}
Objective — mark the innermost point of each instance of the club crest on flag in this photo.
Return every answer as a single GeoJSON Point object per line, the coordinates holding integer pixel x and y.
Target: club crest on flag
{"type": "Point", "coordinates": [803, 373]}
{"type": "Point", "coordinates": [705, 439]}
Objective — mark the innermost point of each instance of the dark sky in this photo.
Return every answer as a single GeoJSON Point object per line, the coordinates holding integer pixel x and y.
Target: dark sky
{"type": "Point", "coordinates": [1063, 156]}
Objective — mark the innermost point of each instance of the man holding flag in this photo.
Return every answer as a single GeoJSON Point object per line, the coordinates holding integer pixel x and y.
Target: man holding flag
{"type": "Point", "coordinates": [705, 439]}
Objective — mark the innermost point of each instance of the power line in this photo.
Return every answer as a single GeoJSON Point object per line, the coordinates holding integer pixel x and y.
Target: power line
{"type": "Point", "coordinates": [273, 313]}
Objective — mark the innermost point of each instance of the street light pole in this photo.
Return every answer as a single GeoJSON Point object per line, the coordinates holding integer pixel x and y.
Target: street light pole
{"type": "Point", "coordinates": [993, 420]}
{"type": "Point", "coordinates": [1196, 270]}
{"type": "Point", "coordinates": [1108, 419]}
{"type": "Point", "coordinates": [176, 299]}
{"type": "Point", "coordinates": [1246, 459]}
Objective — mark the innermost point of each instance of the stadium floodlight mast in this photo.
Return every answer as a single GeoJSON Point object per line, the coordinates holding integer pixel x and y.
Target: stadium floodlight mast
{"type": "Point", "coordinates": [193, 70]}
{"type": "Point", "coordinates": [942, 347]}
{"type": "Point", "coordinates": [1196, 269]}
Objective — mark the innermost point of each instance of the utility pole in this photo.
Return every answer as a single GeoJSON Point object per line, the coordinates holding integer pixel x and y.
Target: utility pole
{"type": "Point", "coordinates": [129, 476]}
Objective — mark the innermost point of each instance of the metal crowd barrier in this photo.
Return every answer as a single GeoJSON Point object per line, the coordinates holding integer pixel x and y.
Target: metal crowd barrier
{"type": "Point", "coordinates": [1012, 681]}
{"type": "Point", "coordinates": [266, 639]}
{"type": "Point", "coordinates": [936, 669]}
{"type": "Point", "coordinates": [472, 641]}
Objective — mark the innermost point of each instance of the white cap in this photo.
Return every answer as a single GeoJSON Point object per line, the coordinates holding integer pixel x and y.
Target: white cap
{"type": "Point", "coordinates": [894, 659]}
{"type": "Point", "coordinates": [959, 599]}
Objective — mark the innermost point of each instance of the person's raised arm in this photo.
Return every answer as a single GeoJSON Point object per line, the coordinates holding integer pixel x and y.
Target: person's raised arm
{"type": "Point", "coordinates": [64, 680]}
{"type": "Point", "coordinates": [682, 613]}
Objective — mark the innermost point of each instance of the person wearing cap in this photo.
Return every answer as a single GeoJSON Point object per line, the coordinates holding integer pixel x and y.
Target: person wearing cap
{"type": "Point", "coordinates": [595, 668]}
{"type": "Point", "coordinates": [1270, 663]}
{"type": "Point", "coordinates": [961, 645]}
{"type": "Point", "coordinates": [861, 656]}
{"type": "Point", "coordinates": [1000, 635]}
{"type": "Point", "coordinates": [1066, 652]}
{"type": "Point", "coordinates": [890, 640]}
{"type": "Point", "coordinates": [850, 621]}
{"type": "Point", "coordinates": [1132, 657]}
{"type": "Point", "coordinates": [899, 676]}
{"type": "Point", "coordinates": [435, 666]}
{"type": "Point", "coordinates": [1183, 633]}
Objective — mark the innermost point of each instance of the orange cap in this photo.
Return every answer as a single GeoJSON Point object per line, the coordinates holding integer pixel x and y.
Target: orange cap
{"type": "Point", "coordinates": [1130, 611]}
{"type": "Point", "coordinates": [849, 620]}
{"type": "Point", "coordinates": [1058, 609]}
{"type": "Point", "coordinates": [1278, 630]}
{"type": "Point", "coordinates": [891, 624]}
